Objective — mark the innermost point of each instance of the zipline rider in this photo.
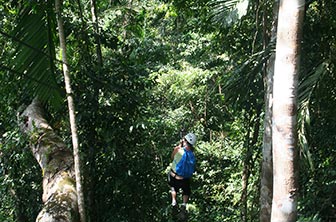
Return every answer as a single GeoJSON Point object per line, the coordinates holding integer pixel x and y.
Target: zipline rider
{"type": "Point", "coordinates": [182, 168]}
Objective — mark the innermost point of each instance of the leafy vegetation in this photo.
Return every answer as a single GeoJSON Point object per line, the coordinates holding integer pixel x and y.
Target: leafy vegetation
{"type": "Point", "coordinates": [168, 65]}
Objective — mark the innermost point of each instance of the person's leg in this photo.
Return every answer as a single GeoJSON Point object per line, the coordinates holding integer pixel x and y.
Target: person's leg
{"type": "Point", "coordinates": [175, 207]}
{"type": "Point", "coordinates": [186, 191]}
{"type": "Point", "coordinates": [185, 196]}
{"type": "Point", "coordinates": [185, 199]}
{"type": "Point", "coordinates": [173, 190]}
{"type": "Point", "coordinates": [173, 195]}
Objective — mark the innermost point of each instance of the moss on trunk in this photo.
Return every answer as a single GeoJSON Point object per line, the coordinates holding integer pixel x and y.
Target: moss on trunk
{"type": "Point", "coordinates": [56, 162]}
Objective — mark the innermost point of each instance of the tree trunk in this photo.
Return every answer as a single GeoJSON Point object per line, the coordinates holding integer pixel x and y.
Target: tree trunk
{"type": "Point", "coordinates": [56, 161]}
{"type": "Point", "coordinates": [71, 106]}
{"type": "Point", "coordinates": [284, 204]}
{"type": "Point", "coordinates": [266, 186]}
{"type": "Point", "coordinates": [245, 181]}
{"type": "Point", "coordinates": [246, 174]}
{"type": "Point", "coordinates": [251, 140]}
{"type": "Point", "coordinates": [96, 32]}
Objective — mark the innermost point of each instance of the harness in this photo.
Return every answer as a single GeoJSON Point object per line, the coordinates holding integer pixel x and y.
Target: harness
{"type": "Point", "coordinates": [175, 175]}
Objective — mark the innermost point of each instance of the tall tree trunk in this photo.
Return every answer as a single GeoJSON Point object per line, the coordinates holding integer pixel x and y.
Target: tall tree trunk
{"type": "Point", "coordinates": [84, 42]}
{"type": "Point", "coordinates": [266, 186]}
{"type": "Point", "coordinates": [284, 204]}
{"type": "Point", "coordinates": [56, 161]}
{"type": "Point", "coordinates": [71, 106]}
{"type": "Point", "coordinates": [96, 32]}
{"type": "Point", "coordinates": [252, 139]}
{"type": "Point", "coordinates": [245, 180]}
{"type": "Point", "coordinates": [89, 127]}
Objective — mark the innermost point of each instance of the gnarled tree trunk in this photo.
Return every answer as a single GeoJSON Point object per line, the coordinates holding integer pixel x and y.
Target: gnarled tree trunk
{"type": "Point", "coordinates": [56, 161]}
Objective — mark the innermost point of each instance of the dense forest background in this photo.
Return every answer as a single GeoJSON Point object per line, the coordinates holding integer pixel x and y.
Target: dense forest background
{"type": "Point", "coordinates": [144, 71]}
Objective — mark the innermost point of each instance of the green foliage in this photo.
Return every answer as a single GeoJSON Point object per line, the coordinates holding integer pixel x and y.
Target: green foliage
{"type": "Point", "coordinates": [216, 184]}
{"type": "Point", "coordinates": [34, 56]}
{"type": "Point", "coordinates": [317, 180]}
{"type": "Point", "coordinates": [130, 119]}
{"type": "Point", "coordinates": [228, 12]}
{"type": "Point", "coordinates": [314, 218]}
{"type": "Point", "coordinates": [168, 65]}
{"type": "Point", "coordinates": [20, 179]}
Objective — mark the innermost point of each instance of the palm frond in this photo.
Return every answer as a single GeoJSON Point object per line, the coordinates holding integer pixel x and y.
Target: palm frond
{"type": "Point", "coordinates": [34, 55]}
{"type": "Point", "coordinates": [246, 77]}
{"type": "Point", "coordinates": [308, 84]}
{"type": "Point", "coordinates": [227, 12]}
{"type": "Point", "coordinates": [305, 92]}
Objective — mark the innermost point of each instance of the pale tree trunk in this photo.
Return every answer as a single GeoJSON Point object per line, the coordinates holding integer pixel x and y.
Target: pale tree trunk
{"type": "Point", "coordinates": [71, 106]}
{"type": "Point", "coordinates": [266, 186]}
{"type": "Point", "coordinates": [56, 161]}
{"type": "Point", "coordinates": [96, 32]}
{"type": "Point", "coordinates": [285, 172]}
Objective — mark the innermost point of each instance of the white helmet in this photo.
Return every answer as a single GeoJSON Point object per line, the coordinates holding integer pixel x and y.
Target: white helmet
{"type": "Point", "coordinates": [191, 138]}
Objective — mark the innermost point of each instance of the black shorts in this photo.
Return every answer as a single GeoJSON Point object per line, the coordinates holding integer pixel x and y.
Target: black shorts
{"type": "Point", "coordinates": [183, 184]}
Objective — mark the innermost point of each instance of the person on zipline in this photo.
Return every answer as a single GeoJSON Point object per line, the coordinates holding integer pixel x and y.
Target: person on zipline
{"type": "Point", "coordinates": [182, 169]}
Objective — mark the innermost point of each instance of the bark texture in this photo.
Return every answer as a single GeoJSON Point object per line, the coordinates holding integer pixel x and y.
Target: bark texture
{"type": "Point", "coordinates": [56, 162]}
{"type": "Point", "coordinates": [71, 107]}
{"type": "Point", "coordinates": [284, 205]}
{"type": "Point", "coordinates": [266, 186]}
